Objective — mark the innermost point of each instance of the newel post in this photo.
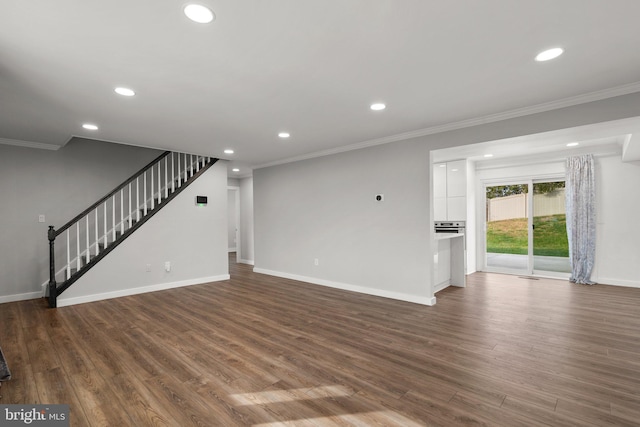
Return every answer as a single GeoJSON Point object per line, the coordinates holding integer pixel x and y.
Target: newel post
{"type": "Point", "coordinates": [51, 234]}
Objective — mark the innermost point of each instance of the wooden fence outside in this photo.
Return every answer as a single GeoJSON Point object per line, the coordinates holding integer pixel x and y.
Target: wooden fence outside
{"type": "Point", "coordinates": [516, 206]}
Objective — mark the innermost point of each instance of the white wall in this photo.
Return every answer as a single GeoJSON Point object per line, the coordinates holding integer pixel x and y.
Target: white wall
{"type": "Point", "coordinates": [58, 184]}
{"type": "Point", "coordinates": [232, 218]}
{"type": "Point", "coordinates": [618, 224]}
{"type": "Point", "coordinates": [192, 238]}
{"type": "Point", "coordinates": [323, 208]}
{"type": "Point", "coordinates": [246, 222]}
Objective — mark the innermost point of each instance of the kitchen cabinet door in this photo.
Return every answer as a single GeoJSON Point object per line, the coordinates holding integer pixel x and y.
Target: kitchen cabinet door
{"type": "Point", "coordinates": [457, 178]}
{"type": "Point", "coordinates": [457, 208]}
{"type": "Point", "coordinates": [439, 180]}
{"type": "Point", "coordinates": [440, 209]}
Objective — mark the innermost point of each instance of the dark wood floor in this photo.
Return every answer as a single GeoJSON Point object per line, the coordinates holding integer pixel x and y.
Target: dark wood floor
{"type": "Point", "coordinates": [259, 350]}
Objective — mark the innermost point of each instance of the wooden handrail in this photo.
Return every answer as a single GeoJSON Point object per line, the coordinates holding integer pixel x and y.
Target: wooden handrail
{"type": "Point", "coordinates": [118, 188]}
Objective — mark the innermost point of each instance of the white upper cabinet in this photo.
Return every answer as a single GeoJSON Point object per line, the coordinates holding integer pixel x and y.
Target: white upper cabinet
{"type": "Point", "coordinates": [439, 180]}
{"type": "Point", "coordinates": [450, 191]}
{"type": "Point", "coordinates": [457, 178]}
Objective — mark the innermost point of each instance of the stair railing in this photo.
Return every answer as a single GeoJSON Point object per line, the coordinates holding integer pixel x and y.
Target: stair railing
{"type": "Point", "coordinates": [88, 235]}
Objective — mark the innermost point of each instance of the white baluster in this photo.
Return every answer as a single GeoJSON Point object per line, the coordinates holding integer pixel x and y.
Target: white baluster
{"type": "Point", "coordinates": [159, 182]}
{"type": "Point", "coordinates": [78, 246]}
{"type": "Point", "coordinates": [88, 250]}
{"type": "Point", "coordinates": [197, 163]}
{"type": "Point", "coordinates": [166, 178]}
{"type": "Point", "coordinates": [179, 172]}
{"type": "Point", "coordinates": [106, 229]}
{"type": "Point", "coordinates": [97, 235]}
{"type": "Point", "coordinates": [113, 216]}
{"type": "Point", "coordinates": [153, 195]}
{"type": "Point", "coordinates": [130, 213]}
{"type": "Point", "coordinates": [144, 190]}
{"type": "Point", "coordinates": [185, 167]}
{"type": "Point", "coordinates": [122, 211]}
{"type": "Point", "coordinates": [137, 199]}
{"type": "Point", "coordinates": [173, 172]}
{"type": "Point", "coordinates": [190, 165]}
{"type": "Point", "coordinates": [68, 254]}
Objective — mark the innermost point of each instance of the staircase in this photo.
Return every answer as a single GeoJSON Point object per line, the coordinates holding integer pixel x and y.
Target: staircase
{"type": "Point", "coordinates": [82, 242]}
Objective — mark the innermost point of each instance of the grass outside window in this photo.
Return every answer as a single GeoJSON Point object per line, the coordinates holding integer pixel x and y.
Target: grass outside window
{"type": "Point", "coordinates": [510, 236]}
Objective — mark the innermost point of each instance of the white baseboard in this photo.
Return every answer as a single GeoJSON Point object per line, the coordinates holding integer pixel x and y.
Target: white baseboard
{"type": "Point", "coordinates": [62, 302]}
{"type": "Point", "coordinates": [617, 282]}
{"type": "Point", "coordinates": [441, 286]}
{"type": "Point", "coordinates": [246, 261]}
{"type": "Point", "coordinates": [353, 288]}
{"type": "Point", "coordinates": [20, 297]}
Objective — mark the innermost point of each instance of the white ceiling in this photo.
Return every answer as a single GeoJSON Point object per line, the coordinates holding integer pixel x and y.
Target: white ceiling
{"type": "Point", "coordinates": [311, 68]}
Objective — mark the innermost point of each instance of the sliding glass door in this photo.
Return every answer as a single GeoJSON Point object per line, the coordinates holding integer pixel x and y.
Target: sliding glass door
{"type": "Point", "coordinates": [550, 244]}
{"type": "Point", "coordinates": [507, 218]}
{"type": "Point", "coordinates": [526, 228]}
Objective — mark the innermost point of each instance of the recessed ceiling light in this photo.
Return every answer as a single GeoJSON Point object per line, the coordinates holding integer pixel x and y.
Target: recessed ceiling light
{"type": "Point", "coordinates": [235, 170]}
{"type": "Point", "coordinates": [488, 155]}
{"type": "Point", "coordinates": [228, 151]}
{"type": "Point", "coordinates": [284, 135]}
{"type": "Point", "coordinates": [573, 144]}
{"type": "Point", "coordinates": [549, 54]}
{"type": "Point", "coordinates": [378, 106]}
{"type": "Point", "coordinates": [198, 13]}
{"type": "Point", "coordinates": [124, 91]}
{"type": "Point", "coordinates": [89, 126]}
{"type": "Point", "coordinates": [454, 170]}
{"type": "Point", "coordinates": [443, 165]}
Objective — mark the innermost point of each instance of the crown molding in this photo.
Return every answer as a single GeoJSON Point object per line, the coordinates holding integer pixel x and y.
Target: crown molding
{"type": "Point", "coordinates": [29, 144]}
{"type": "Point", "coordinates": [491, 118]}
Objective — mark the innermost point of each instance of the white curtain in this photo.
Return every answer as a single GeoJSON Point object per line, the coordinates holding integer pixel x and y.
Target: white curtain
{"type": "Point", "coordinates": [581, 217]}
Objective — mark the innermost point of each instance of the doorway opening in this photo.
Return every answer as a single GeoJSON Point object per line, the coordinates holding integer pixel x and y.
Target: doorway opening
{"type": "Point", "coordinates": [233, 222]}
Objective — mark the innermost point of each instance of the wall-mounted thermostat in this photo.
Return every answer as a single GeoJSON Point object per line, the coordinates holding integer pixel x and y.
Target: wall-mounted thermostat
{"type": "Point", "coordinates": [201, 200]}
{"type": "Point", "coordinates": [379, 197]}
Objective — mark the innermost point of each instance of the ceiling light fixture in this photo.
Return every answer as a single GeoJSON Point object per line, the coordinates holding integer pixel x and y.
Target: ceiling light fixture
{"type": "Point", "coordinates": [198, 13]}
{"type": "Point", "coordinates": [573, 144]}
{"type": "Point", "coordinates": [549, 54]}
{"type": "Point", "coordinates": [488, 155]}
{"type": "Point", "coordinates": [89, 126]}
{"type": "Point", "coordinates": [124, 91]}
{"type": "Point", "coordinates": [228, 151]}
{"type": "Point", "coordinates": [235, 170]}
{"type": "Point", "coordinates": [378, 106]}
{"type": "Point", "coordinates": [284, 135]}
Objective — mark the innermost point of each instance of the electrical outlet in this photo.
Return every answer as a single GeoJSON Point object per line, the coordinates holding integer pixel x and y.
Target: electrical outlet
{"type": "Point", "coordinates": [316, 261]}
{"type": "Point", "coordinates": [148, 268]}
{"type": "Point", "coordinates": [41, 218]}
{"type": "Point", "coordinates": [167, 266]}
